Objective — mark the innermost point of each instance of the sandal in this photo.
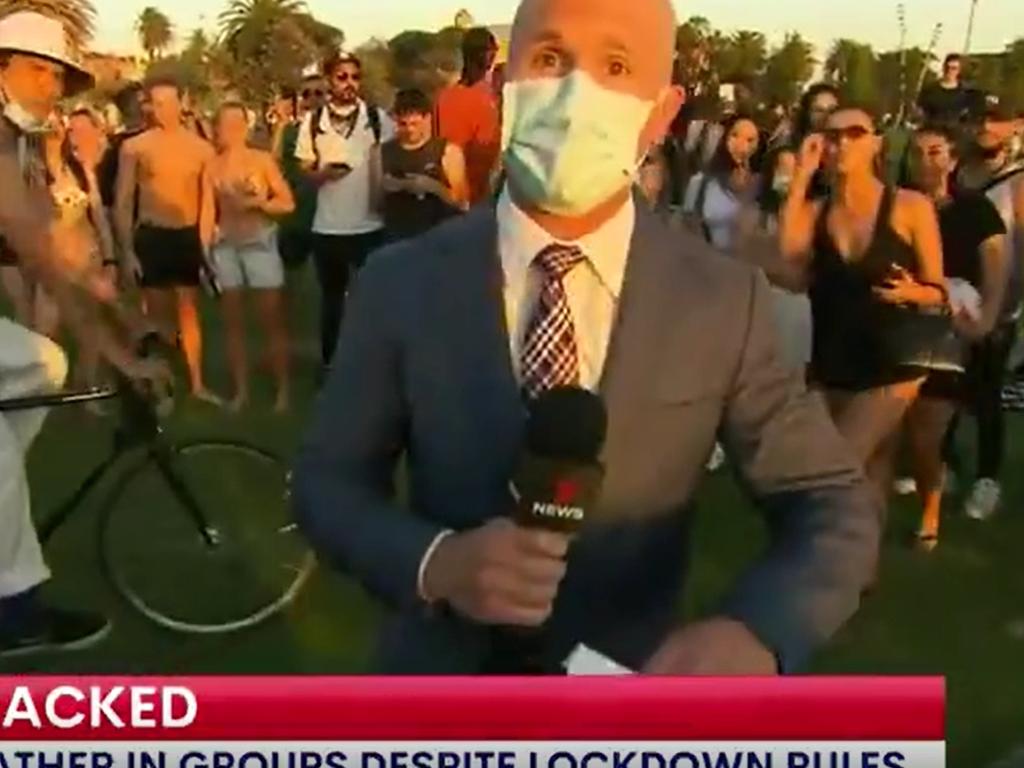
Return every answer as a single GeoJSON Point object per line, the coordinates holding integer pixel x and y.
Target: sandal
{"type": "Point", "coordinates": [926, 542]}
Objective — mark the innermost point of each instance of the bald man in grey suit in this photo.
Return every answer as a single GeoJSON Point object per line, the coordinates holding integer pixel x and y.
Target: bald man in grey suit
{"type": "Point", "coordinates": [566, 280]}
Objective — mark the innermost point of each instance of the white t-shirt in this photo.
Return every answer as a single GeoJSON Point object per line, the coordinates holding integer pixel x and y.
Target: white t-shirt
{"type": "Point", "coordinates": [344, 207]}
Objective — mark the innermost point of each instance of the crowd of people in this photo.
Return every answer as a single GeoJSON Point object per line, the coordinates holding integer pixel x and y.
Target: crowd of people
{"type": "Point", "coordinates": [896, 267]}
{"type": "Point", "coordinates": [855, 224]}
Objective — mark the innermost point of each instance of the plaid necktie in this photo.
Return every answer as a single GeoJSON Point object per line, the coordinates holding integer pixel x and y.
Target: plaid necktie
{"type": "Point", "coordinates": [550, 356]}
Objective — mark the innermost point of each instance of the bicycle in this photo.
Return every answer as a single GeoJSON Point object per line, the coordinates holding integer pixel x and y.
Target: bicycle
{"type": "Point", "coordinates": [179, 556]}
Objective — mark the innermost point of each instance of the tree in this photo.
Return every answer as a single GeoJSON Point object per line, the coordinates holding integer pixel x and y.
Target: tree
{"type": "Point", "coordinates": [155, 32]}
{"type": "Point", "coordinates": [742, 57]}
{"type": "Point", "coordinates": [375, 57]}
{"type": "Point", "coordinates": [197, 68]}
{"type": "Point", "coordinates": [789, 68]}
{"type": "Point", "coordinates": [414, 62]}
{"type": "Point", "coordinates": [852, 66]}
{"type": "Point", "coordinates": [77, 16]}
{"type": "Point", "coordinates": [271, 41]}
{"type": "Point", "coordinates": [1012, 92]}
{"type": "Point", "coordinates": [255, 18]}
{"type": "Point", "coordinates": [694, 60]}
{"type": "Point", "coordinates": [898, 74]}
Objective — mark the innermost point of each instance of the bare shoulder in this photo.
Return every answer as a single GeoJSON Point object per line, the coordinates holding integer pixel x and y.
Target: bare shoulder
{"type": "Point", "coordinates": [913, 205]}
{"type": "Point", "coordinates": [202, 147]}
{"type": "Point", "coordinates": [137, 144]}
{"type": "Point", "coordinates": [912, 200]}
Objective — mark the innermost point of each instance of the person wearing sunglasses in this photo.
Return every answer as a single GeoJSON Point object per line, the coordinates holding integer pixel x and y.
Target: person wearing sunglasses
{"type": "Point", "coordinates": [864, 251]}
{"type": "Point", "coordinates": [991, 170]}
{"type": "Point", "coordinates": [339, 150]}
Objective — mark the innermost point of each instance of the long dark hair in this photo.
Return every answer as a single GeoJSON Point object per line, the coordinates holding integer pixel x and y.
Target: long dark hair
{"type": "Point", "coordinates": [803, 113]}
{"type": "Point", "coordinates": [722, 164]}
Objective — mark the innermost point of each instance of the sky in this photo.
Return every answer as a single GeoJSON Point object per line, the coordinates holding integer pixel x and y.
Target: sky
{"type": "Point", "coordinates": [874, 21]}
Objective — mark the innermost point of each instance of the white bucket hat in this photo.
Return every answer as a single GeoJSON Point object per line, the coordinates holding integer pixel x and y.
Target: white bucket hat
{"type": "Point", "coordinates": [34, 34]}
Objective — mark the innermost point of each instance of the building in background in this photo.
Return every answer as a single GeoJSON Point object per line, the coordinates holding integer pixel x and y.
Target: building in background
{"type": "Point", "coordinates": [112, 70]}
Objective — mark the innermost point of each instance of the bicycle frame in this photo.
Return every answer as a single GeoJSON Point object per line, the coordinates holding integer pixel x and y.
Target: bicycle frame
{"type": "Point", "coordinates": [139, 427]}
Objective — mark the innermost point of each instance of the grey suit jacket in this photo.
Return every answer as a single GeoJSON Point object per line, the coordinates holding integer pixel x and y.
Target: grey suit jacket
{"type": "Point", "coordinates": [423, 371]}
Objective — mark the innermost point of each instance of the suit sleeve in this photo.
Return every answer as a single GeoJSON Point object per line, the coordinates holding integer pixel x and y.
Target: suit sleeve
{"type": "Point", "coordinates": [344, 490]}
{"type": "Point", "coordinates": [824, 521]}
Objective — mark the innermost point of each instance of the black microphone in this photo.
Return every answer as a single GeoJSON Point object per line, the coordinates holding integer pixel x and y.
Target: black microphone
{"type": "Point", "coordinates": [559, 476]}
{"type": "Point", "coordinates": [557, 483]}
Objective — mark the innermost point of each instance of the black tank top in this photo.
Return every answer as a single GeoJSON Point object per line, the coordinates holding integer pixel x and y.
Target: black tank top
{"type": "Point", "coordinates": [850, 324]}
{"type": "Point", "coordinates": [407, 215]}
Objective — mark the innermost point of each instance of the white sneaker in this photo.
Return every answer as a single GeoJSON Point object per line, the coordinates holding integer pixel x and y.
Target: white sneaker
{"type": "Point", "coordinates": [984, 500]}
{"type": "Point", "coordinates": [717, 458]}
{"type": "Point", "coordinates": [904, 486]}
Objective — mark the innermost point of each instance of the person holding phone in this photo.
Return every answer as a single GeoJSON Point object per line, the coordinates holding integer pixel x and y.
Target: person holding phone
{"type": "Point", "coordinates": [863, 252]}
{"type": "Point", "coordinates": [425, 179]}
{"type": "Point", "coordinates": [338, 148]}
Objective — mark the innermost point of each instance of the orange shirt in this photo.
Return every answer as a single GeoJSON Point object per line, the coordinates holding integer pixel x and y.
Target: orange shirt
{"type": "Point", "coordinates": [467, 115]}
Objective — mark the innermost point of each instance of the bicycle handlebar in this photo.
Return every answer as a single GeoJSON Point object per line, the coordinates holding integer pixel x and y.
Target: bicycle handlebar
{"type": "Point", "coordinates": [57, 399]}
{"type": "Point", "coordinates": [147, 346]}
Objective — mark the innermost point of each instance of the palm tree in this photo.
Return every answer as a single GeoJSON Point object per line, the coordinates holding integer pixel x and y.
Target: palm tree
{"type": "Point", "coordinates": [155, 32]}
{"type": "Point", "coordinates": [77, 16]}
{"type": "Point", "coordinates": [841, 60]}
{"type": "Point", "coordinates": [750, 52]}
{"type": "Point", "coordinates": [270, 41]}
{"type": "Point", "coordinates": [853, 67]}
{"type": "Point", "coordinates": [257, 18]}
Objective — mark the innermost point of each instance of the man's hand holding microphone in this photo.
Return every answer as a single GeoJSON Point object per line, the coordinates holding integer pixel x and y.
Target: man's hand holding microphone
{"type": "Point", "coordinates": [501, 574]}
{"type": "Point", "coordinates": [507, 573]}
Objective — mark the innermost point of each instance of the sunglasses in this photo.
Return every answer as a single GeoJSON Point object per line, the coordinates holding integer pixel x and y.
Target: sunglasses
{"type": "Point", "coordinates": [990, 153]}
{"type": "Point", "coordinates": [850, 133]}
{"type": "Point", "coordinates": [309, 94]}
{"type": "Point", "coordinates": [345, 77]}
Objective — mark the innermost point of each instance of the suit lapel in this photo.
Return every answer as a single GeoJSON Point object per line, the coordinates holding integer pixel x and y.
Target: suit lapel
{"type": "Point", "coordinates": [643, 315]}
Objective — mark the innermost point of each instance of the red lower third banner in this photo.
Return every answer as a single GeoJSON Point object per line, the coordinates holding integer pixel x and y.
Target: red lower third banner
{"type": "Point", "coordinates": [600, 722]}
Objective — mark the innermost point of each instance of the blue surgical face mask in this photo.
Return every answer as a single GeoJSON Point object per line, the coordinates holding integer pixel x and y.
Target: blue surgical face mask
{"type": "Point", "coordinates": [569, 143]}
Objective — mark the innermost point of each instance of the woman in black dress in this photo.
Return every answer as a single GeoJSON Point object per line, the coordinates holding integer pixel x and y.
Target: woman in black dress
{"type": "Point", "coordinates": [872, 259]}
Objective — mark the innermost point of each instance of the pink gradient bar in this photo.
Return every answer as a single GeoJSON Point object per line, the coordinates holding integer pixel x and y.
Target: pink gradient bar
{"type": "Point", "coordinates": [505, 709]}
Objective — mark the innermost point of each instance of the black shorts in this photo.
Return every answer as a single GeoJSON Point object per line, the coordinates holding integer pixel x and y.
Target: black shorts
{"type": "Point", "coordinates": [945, 385]}
{"type": "Point", "coordinates": [170, 258]}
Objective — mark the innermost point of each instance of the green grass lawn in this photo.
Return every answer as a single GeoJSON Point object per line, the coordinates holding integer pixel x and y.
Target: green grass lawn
{"type": "Point", "coordinates": [952, 613]}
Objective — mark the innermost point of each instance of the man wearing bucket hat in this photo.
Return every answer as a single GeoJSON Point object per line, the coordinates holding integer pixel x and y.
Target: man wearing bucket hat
{"type": "Point", "coordinates": [37, 69]}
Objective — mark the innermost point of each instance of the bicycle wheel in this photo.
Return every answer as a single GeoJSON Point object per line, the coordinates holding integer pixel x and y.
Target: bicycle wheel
{"type": "Point", "coordinates": [199, 538]}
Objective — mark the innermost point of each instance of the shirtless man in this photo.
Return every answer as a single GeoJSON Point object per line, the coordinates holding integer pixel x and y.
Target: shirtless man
{"type": "Point", "coordinates": [250, 191]}
{"type": "Point", "coordinates": [167, 167]}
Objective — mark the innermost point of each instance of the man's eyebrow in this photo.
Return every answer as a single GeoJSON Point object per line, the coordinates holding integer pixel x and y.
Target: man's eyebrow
{"type": "Point", "coordinates": [548, 36]}
{"type": "Point", "coordinates": [616, 45]}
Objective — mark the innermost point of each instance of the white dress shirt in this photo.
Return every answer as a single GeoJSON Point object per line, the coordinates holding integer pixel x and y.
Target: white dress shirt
{"type": "Point", "coordinates": [593, 289]}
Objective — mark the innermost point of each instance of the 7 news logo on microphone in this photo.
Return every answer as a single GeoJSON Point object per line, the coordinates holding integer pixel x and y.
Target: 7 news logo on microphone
{"type": "Point", "coordinates": [563, 505]}
{"type": "Point", "coordinates": [555, 495]}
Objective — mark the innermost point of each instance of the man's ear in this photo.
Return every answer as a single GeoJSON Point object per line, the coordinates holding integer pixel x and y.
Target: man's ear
{"type": "Point", "coordinates": [665, 110]}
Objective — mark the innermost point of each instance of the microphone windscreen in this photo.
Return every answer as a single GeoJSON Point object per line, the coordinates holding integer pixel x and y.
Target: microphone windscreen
{"type": "Point", "coordinates": [567, 423]}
